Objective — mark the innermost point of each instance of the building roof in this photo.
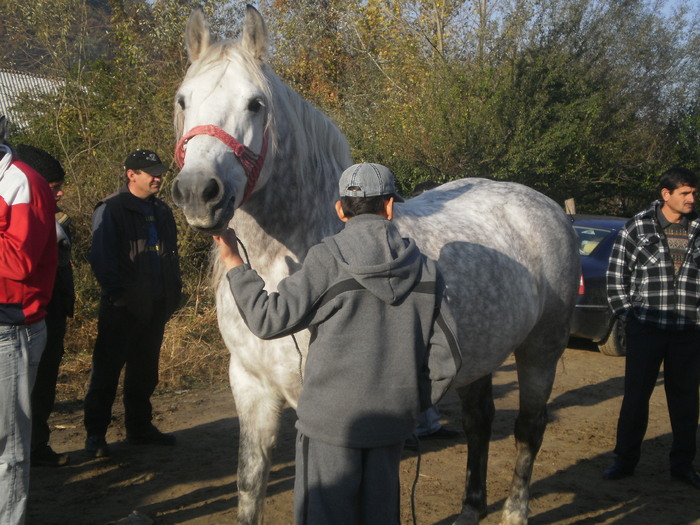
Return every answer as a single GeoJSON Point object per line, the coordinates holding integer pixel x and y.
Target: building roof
{"type": "Point", "coordinates": [13, 84]}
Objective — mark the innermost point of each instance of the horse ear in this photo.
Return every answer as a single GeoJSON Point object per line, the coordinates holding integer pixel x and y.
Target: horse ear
{"type": "Point", "coordinates": [254, 37]}
{"type": "Point", "coordinates": [196, 35]}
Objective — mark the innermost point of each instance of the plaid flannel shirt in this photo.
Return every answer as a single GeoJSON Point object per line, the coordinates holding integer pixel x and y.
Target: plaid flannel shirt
{"type": "Point", "coordinates": [640, 279]}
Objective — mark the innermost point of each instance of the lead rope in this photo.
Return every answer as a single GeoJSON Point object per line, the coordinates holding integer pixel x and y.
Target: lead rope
{"type": "Point", "coordinates": [415, 480]}
{"type": "Point", "coordinates": [296, 344]}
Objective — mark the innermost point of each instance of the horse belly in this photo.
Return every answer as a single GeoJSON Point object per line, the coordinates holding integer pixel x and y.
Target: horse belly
{"type": "Point", "coordinates": [496, 307]}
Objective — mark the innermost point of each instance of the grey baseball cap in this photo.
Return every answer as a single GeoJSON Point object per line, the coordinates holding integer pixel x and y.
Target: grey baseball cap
{"type": "Point", "coordinates": [368, 180]}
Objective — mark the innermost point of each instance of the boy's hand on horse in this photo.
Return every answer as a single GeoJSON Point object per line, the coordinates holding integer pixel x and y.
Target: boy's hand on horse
{"type": "Point", "coordinates": [228, 249]}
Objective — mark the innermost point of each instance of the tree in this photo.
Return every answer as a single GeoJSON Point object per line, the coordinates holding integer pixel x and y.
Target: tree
{"type": "Point", "coordinates": [568, 96]}
{"type": "Point", "coordinates": [684, 136]}
{"type": "Point", "coordinates": [309, 52]}
{"type": "Point", "coordinates": [120, 76]}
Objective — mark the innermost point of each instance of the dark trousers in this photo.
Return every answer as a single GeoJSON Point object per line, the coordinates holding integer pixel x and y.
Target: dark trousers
{"type": "Point", "coordinates": [44, 392]}
{"type": "Point", "coordinates": [123, 341]}
{"type": "Point", "coordinates": [647, 348]}
{"type": "Point", "coordinates": [346, 486]}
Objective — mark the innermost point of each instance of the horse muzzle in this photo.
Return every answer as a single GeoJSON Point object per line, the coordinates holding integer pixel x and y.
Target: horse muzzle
{"type": "Point", "coordinates": [206, 203]}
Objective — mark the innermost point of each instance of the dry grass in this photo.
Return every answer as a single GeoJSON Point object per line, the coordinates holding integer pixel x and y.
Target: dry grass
{"type": "Point", "coordinates": [193, 352]}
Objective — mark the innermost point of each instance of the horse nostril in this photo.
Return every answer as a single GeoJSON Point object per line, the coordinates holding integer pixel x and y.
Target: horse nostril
{"type": "Point", "coordinates": [175, 192]}
{"type": "Point", "coordinates": [211, 190]}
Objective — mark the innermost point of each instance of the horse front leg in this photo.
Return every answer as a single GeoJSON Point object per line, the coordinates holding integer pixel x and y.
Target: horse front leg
{"type": "Point", "coordinates": [258, 408]}
{"type": "Point", "coordinates": [478, 412]}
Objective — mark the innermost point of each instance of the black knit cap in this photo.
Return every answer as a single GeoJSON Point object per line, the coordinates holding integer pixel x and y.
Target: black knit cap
{"type": "Point", "coordinates": [42, 162]}
{"type": "Point", "coordinates": [145, 160]}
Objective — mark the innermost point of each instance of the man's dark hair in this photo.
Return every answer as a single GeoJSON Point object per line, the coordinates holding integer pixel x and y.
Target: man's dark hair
{"type": "Point", "coordinates": [353, 206]}
{"type": "Point", "coordinates": [42, 162]}
{"type": "Point", "coordinates": [676, 177]}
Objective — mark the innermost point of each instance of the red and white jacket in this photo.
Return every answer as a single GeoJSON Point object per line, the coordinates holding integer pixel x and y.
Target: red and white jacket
{"type": "Point", "coordinates": [28, 249]}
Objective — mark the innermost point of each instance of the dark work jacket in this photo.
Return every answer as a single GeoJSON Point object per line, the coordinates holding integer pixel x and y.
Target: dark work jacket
{"type": "Point", "coordinates": [63, 298]}
{"type": "Point", "coordinates": [120, 259]}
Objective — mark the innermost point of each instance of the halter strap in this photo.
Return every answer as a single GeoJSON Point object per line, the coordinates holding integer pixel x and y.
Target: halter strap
{"type": "Point", "coordinates": [252, 162]}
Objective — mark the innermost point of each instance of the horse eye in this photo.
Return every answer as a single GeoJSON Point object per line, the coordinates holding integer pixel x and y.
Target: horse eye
{"type": "Point", "coordinates": [181, 102]}
{"type": "Point", "coordinates": [254, 105]}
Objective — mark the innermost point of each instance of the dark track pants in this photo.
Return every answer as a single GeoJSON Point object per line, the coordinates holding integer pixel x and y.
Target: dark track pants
{"type": "Point", "coordinates": [123, 340]}
{"type": "Point", "coordinates": [346, 486]}
{"type": "Point", "coordinates": [44, 392]}
{"type": "Point", "coordinates": [647, 348]}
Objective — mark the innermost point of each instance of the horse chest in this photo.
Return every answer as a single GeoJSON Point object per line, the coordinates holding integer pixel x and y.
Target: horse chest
{"type": "Point", "coordinates": [279, 361]}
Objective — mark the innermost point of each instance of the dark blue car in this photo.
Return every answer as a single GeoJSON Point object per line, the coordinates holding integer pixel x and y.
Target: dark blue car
{"type": "Point", "coordinates": [593, 318]}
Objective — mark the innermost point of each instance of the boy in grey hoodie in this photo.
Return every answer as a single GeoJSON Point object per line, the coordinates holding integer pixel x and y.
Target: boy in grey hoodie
{"type": "Point", "coordinates": [383, 348]}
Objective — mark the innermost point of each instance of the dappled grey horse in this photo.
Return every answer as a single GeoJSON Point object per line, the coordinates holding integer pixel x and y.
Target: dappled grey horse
{"type": "Point", "coordinates": [256, 156]}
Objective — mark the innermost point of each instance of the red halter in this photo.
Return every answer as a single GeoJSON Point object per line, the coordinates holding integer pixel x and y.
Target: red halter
{"type": "Point", "coordinates": [251, 161]}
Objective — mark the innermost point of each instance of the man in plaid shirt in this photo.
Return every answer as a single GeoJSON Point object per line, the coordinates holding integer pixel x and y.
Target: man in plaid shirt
{"type": "Point", "coordinates": [653, 283]}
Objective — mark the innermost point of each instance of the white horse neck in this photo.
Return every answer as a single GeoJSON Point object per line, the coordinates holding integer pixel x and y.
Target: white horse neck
{"type": "Point", "coordinates": [294, 209]}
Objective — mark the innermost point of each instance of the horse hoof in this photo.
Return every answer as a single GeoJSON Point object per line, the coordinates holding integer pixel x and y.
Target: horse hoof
{"type": "Point", "coordinates": [468, 516]}
{"type": "Point", "coordinates": [513, 518]}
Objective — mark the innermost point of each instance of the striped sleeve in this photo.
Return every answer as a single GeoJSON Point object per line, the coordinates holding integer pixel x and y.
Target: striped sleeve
{"type": "Point", "coordinates": [19, 252]}
{"type": "Point", "coordinates": [618, 275]}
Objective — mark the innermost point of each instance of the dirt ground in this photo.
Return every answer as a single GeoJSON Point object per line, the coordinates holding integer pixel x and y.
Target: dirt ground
{"type": "Point", "coordinates": [195, 482]}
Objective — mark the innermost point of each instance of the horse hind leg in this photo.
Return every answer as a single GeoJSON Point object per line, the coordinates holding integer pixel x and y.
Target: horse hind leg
{"type": "Point", "coordinates": [536, 363]}
{"type": "Point", "coordinates": [478, 412]}
{"type": "Point", "coordinates": [259, 419]}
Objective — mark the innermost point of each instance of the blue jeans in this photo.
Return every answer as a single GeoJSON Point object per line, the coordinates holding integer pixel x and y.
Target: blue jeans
{"type": "Point", "coordinates": [20, 352]}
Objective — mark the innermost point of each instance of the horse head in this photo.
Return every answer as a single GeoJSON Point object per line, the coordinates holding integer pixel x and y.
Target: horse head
{"type": "Point", "coordinates": [222, 118]}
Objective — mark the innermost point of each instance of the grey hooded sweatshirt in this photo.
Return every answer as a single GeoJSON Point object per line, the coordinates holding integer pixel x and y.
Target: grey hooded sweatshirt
{"type": "Point", "coordinates": [382, 345]}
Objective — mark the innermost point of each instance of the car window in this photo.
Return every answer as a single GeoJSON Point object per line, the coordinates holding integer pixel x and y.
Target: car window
{"type": "Point", "coordinates": [589, 238]}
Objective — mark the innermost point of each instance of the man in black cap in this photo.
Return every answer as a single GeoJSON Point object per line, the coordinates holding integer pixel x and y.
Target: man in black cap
{"type": "Point", "coordinates": [134, 258]}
